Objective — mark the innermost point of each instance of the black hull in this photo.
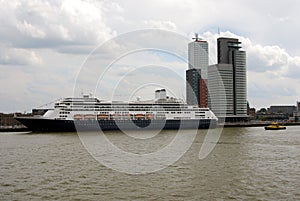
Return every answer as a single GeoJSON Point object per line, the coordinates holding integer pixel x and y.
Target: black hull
{"type": "Point", "coordinates": [280, 128]}
{"type": "Point", "coordinates": [50, 125]}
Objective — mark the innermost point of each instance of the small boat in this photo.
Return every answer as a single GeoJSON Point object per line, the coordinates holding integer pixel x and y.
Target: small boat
{"type": "Point", "coordinates": [275, 126]}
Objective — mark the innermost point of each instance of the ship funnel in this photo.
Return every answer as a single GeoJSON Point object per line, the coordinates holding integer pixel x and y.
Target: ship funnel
{"type": "Point", "coordinates": [160, 94]}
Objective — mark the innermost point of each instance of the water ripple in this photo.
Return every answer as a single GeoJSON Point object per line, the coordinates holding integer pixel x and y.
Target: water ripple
{"type": "Point", "coordinates": [246, 164]}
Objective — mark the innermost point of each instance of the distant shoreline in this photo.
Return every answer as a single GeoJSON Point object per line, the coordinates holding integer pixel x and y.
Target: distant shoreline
{"type": "Point", "coordinates": [257, 124]}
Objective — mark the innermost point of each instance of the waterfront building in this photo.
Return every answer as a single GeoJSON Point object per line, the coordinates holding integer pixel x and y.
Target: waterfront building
{"type": "Point", "coordinates": [220, 84]}
{"type": "Point", "coordinates": [197, 72]}
{"type": "Point", "coordinates": [198, 55]}
{"type": "Point", "coordinates": [203, 93]}
{"type": "Point", "coordinates": [193, 77]}
{"type": "Point", "coordinates": [296, 114]}
{"type": "Point", "coordinates": [282, 109]}
{"type": "Point", "coordinates": [298, 106]}
{"type": "Point", "coordinates": [229, 75]}
{"type": "Point", "coordinates": [7, 120]}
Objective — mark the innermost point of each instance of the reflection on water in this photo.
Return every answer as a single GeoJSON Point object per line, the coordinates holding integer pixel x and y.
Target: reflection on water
{"type": "Point", "coordinates": [247, 163]}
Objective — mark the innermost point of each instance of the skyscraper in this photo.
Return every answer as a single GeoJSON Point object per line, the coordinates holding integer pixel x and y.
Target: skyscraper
{"type": "Point", "coordinates": [196, 74]}
{"type": "Point", "coordinates": [232, 73]}
{"type": "Point", "coordinates": [198, 55]}
{"type": "Point", "coordinates": [220, 84]}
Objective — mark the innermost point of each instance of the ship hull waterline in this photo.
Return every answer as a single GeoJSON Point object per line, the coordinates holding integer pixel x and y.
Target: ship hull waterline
{"type": "Point", "coordinates": [54, 125]}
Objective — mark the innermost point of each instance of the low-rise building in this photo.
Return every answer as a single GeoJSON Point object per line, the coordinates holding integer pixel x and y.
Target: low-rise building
{"type": "Point", "coordinates": [282, 109]}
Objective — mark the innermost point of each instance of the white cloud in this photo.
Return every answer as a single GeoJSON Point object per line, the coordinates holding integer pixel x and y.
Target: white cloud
{"type": "Point", "coordinates": [45, 42]}
{"type": "Point", "coordinates": [168, 25]}
{"type": "Point", "coordinates": [28, 29]}
{"type": "Point", "coordinates": [265, 89]}
{"type": "Point", "coordinates": [17, 56]}
{"type": "Point", "coordinates": [53, 24]}
{"type": "Point", "coordinates": [143, 49]}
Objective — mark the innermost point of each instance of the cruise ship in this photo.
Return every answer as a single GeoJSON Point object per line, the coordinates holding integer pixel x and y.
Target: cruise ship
{"type": "Point", "coordinates": [90, 114]}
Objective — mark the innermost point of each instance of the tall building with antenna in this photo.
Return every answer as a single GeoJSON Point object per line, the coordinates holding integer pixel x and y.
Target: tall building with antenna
{"type": "Point", "coordinates": [196, 75]}
{"type": "Point", "coordinates": [198, 55]}
{"type": "Point", "coordinates": [231, 73]}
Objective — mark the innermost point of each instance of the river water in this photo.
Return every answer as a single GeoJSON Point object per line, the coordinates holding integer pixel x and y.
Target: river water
{"type": "Point", "coordinates": [245, 164]}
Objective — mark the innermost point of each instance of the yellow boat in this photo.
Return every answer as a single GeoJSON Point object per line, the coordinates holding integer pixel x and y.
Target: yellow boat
{"type": "Point", "coordinates": [275, 126]}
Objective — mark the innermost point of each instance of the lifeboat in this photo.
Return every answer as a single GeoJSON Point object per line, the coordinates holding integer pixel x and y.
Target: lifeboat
{"type": "Point", "coordinates": [149, 116]}
{"type": "Point", "coordinates": [89, 117]}
{"type": "Point", "coordinates": [102, 116]}
{"type": "Point", "coordinates": [78, 117]}
{"type": "Point", "coordinates": [139, 116]}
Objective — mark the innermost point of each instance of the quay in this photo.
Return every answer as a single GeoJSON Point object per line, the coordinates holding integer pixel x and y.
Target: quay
{"type": "Point", "coordinates": [256, 124]}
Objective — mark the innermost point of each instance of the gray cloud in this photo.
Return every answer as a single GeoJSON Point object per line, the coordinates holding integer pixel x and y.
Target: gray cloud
{"type": "Point", "coordinates": [43, 24]}
{"type": "Point", "coordinates": [44, 43]}
{"type": "Point", "coordinates": [17, 56]}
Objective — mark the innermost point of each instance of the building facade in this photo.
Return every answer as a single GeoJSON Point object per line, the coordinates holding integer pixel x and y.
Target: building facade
{"type": "Point", "coordinates": [229, 75]}
{"type": "Point", "coordinates": [282, 109]}
{"type": "Point", "coordinates": [7, 120]}
{"type": "Point", "coordinates": [197, 73]}
{"type": "Point", "coordinates": [220, 89]}
{"type": "Point", "coordinates": [203, 93]}
{"type": "Point", "coordinates": [193, 77]}
{"type": "Point", "coordinates": [198, 56]}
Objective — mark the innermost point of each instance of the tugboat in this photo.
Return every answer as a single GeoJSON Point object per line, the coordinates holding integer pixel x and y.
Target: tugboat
{"type": "Point", "coordinates": [275, 126]}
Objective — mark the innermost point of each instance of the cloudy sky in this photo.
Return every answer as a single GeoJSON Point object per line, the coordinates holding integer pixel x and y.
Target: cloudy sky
{"type": "Point", "coordinates": [124, 49]}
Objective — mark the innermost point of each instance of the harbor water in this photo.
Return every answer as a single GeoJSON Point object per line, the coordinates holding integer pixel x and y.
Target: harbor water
{"type": "Point", "coordinates": [245, 164]}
